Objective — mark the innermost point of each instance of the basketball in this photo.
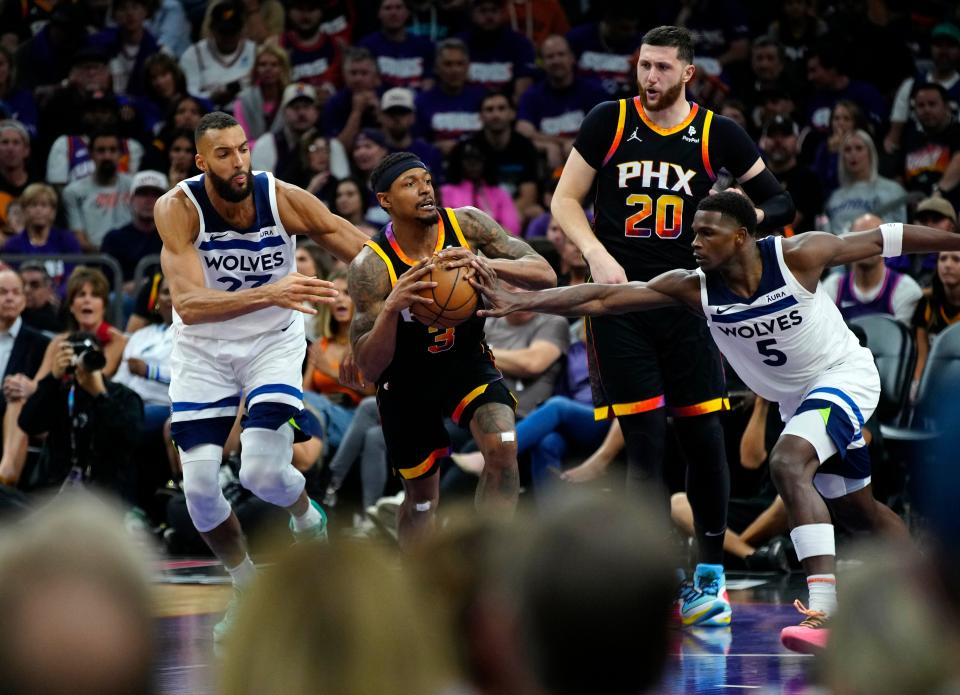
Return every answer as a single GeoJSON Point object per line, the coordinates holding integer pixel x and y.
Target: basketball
{"type": "Point", "coordinates": [454, 299]}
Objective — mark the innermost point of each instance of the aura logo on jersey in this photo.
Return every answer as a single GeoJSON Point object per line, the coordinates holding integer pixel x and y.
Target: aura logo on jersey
{"type": "Point", "coordinates": [784, 322]}
{"type": "Point", "coordinates": [657, 174]}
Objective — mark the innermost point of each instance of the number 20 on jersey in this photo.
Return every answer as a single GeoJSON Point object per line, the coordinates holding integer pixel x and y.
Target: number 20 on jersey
{"type": "Point", "coordinates": [667, 215]}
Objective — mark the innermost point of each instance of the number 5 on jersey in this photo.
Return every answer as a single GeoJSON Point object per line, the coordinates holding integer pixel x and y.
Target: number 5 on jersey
{"type": "Point", "coordinates": [775, 358]}
{"type": "Point", "coordinates": [668, 217]}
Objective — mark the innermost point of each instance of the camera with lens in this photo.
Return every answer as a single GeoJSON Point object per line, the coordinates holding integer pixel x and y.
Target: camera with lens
{"type": "Point", "coordinates": [86, 351]}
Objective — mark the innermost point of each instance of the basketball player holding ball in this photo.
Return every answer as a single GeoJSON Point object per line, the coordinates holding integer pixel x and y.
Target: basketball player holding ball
{"type": "Point", "coordinates": [423, 372]}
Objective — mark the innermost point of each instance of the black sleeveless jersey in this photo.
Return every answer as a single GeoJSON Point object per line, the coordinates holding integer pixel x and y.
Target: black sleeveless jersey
{"type": "Point", "coordinates": [423, 353]}
{"type": "Point", "coordinates": [650, 180]}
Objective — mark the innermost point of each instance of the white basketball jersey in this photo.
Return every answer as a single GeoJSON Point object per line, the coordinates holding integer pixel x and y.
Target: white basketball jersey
{"type": "Point", "coordinates": [783, 337]}
{"type": "Point", "coordinates": [237, 259]}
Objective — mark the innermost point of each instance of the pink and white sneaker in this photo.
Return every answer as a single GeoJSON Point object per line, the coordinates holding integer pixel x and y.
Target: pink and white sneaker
{"type": "Point", "coordinates": [810, 636]}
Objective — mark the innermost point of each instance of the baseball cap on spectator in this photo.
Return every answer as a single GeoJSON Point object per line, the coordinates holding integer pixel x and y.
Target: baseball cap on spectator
{"type": "Point", "coordinates": [398, 98]}
{"type": "Point", "coordinates": [780, 125]}
{"type": "Point", "coordinates": [227, 17]}
{"type": "Point", "coordinates": [947, 30]}
{"type": "Point", "coordinates": [148, 178]}
{"type": "Point", "coordinates": [937, 206]}
{"type": "Point", "coordinates": [297, 90]}
{"type": "Point", "coordinates": [88, 55]}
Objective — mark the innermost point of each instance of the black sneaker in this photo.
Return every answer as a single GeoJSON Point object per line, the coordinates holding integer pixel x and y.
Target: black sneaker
{"type": "Point", "coordinates": [771, 557]}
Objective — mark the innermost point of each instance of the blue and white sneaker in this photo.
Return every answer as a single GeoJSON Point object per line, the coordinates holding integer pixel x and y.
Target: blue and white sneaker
{"type": "Point", "coordinates": [317, 533]}
{"type": "Point", "coordinates": [705, 602]}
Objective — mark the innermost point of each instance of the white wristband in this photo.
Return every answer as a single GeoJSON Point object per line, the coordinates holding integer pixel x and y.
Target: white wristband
{"type": "Point", "coordinates": [892, 239]}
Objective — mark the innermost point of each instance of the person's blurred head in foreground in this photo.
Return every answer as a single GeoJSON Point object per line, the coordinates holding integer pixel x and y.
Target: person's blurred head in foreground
{"type": "Point", "coordinates": [524, 598]}
{"type": "Point", "coordinates": [339, 620]}
{"type": "Point", "coordinates": [895, 631]}
{"type": "Point", "coordinates": [75, 603]}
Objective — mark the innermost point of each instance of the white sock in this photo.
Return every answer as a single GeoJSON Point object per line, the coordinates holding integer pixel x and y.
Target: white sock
{"type": "Point", "coordinates": [243, 574]}
{"type": "Point", "coordinates": [823, 593]}
{"type": "Point", "coordinates": [308, 519]}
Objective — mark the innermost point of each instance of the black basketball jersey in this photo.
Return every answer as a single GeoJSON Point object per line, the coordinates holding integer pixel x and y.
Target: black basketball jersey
{"type": "Point", "coordinates": [423, 353]}
{"type": "Point", "coordinates": [648, 187]}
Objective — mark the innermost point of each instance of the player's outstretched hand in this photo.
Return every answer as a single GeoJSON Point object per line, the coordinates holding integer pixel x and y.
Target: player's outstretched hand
{"type": "Point", "coordinates": [301, 292]}
{"type": "Point", "coordinates": [406, 292]}
{"type": "Point", "coordinates": [499, 301]}
{"type": "Point", "coordinates": [605, 270]}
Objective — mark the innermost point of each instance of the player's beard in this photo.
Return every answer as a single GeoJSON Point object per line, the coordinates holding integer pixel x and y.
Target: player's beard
{"type": "Point", "coordinates": [227, 191]}
{"type": "Point", "coordinates": [667, 99]}
{"type": "Point", "coordinates": [428, 219]}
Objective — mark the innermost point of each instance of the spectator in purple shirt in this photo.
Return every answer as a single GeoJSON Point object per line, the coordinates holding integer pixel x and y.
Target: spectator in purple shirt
{"type": "Point", "coordinates": [721, 37]}
{"type": "Point", "coordinates": [397, 115]}
{"type": "Point", "coordinates": [501, 59]}
{"type": "Point", "coordinates": [826, 71]}
{"type": "Point", "coordinates": [39, 236]}
{"type": "Point", "coordinates": [128, 45]}
{"type": "Point", "coordinates": [404, 59]}
{"type": "Point", "coordinates": [451, 108]}
{"type": "Point", "coordinates": [355, 106]}
{"type": "Point", "coordinates": [605, 49]}
{"type": "Point", "coordinates": [551, 111]}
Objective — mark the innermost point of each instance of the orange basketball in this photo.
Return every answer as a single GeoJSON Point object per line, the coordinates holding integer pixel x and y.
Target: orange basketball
{"type": "Point", "coordinates": [454, 299]}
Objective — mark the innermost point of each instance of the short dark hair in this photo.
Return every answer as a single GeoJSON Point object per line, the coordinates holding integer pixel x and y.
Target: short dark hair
{"type": "Point", "coordinates": [934, 87]}
{"type": "Point", "coordinates": [103, 133]}
{"type": "Point", "coordinates": [733, 205]}
{"type": "Point", "coordinates": [831, 57]}
{"type": "Point", "coordinates": [216, 120]}
{"type": "Point", "coordinates": [494, 95]}
{"type": "Point", "coordinates": [673, 37]}
{"type": "Point", "coordinates": [388, 162]}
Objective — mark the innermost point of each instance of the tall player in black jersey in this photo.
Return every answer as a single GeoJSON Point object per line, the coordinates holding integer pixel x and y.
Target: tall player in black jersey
{"type": "Point", "coordinates": [649, 161]}
{"type": "Point", "coordinates": [424, 374]}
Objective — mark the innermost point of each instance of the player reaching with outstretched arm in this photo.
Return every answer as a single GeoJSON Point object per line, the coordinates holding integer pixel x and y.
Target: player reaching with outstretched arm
{"type": "Point", "coordinates": [785, 337]}
{"type": "Point", "coordinates": [650, 160]}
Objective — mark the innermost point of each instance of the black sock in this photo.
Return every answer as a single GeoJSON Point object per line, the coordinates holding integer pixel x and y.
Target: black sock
{"type": "Point", "coordinates": [644, 435]}
{"type": "Point", "coordinates": [708, 481]}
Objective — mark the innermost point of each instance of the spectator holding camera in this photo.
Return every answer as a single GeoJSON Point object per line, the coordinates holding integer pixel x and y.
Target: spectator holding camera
{"type": "Point", "coordinates": [91, 423]}
{"type": "Point", "coordinates": [87, 300]}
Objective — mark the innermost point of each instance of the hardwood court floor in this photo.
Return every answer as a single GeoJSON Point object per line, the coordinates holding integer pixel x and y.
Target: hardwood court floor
{"type": "Point", "coordinates": [747, 657]}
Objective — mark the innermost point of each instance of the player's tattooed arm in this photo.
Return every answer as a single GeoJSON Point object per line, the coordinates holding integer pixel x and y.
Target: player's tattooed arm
{"type": "Point", "coordinates": [377, 308]}
{"type": "Point", "coordinates": [372, 330]}
{"type": "Point", "coordinates": [510, 257]}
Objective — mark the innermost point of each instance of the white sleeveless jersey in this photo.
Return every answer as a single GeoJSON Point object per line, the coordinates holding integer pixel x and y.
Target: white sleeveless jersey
{"type": "Point", "coordinates": [236, 259]}
{"type": "Point", "coordinates": [780, 340]}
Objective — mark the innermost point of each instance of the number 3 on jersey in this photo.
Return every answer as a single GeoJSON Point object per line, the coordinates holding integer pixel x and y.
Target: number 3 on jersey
{"type": "Point", "coordinates": [668, 217]}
